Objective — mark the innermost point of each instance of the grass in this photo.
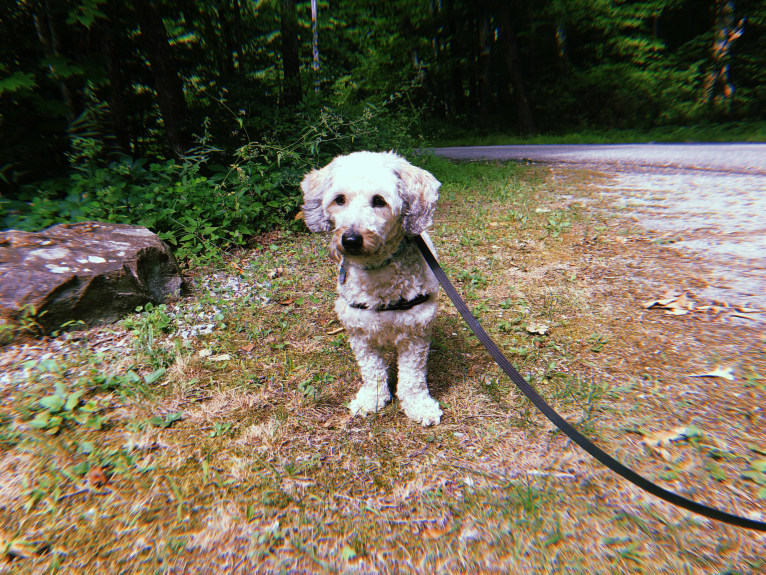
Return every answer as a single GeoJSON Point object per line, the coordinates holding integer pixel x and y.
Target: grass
{"type": "Point", "coordinates": [232, 449]}
{"type": "Point", "coordinates": [710, 132]}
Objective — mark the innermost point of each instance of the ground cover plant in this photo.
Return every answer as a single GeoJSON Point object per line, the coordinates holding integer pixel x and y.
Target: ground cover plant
{"type": "Point", "coordinates": [211, 433]}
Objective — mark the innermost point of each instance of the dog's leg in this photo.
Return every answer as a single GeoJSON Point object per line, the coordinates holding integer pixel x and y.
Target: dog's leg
{"type": "Point", "coordinates": [412, 387]}
{"type": "Point", "coordinates": [374, 393]}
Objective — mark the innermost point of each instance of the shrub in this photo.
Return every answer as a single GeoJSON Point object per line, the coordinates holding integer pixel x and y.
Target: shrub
{"type": "Point", "coordinates": [197, 204]}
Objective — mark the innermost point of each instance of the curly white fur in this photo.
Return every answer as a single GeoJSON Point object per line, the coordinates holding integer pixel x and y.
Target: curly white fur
{"type": "Point", "coordinates": [374, 202]}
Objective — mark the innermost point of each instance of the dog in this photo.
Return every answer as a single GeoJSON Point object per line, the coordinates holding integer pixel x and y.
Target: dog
{"type": "Point", "coordinates": [374, 203]}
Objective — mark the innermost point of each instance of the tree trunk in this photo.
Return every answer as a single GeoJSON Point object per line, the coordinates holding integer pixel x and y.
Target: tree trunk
{"type": "Point", "coordinates": [45, 26]}
{"type": "Point", "coordinates": [315, 42]}
{"type": "Point", "coordinates": [170, 95]}
{"type": "Point", "coordinates": [291, 87]}
{"type": "Point", "coordinates": [453, 55]}
{"type": "Point", "coordinates": [511, 54]}
{"type": "Point", "coordinates": [717, 87]}
{"type": "Point", "coordinates": [117, 85]}
{"type": "Point", "coordinates": [562, 49]}
{"type": "Point", "coordinates": [484, 54]}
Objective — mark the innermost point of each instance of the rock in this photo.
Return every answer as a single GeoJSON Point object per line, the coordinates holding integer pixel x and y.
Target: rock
{"type": "Point", "coordinates": [93, 272]}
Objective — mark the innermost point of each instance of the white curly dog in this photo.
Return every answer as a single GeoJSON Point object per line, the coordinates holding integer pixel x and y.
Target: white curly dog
{"type": "Point", "coordinates": [387, 295]}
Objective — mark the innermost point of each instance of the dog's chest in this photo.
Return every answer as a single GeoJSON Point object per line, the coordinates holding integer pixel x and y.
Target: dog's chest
{"type": "Point", "coordinates": [400, 280]}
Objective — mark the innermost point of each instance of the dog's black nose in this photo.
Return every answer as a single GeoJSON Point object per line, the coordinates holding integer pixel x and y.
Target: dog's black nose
{"type": "Point", "coordinates": [352, 242]}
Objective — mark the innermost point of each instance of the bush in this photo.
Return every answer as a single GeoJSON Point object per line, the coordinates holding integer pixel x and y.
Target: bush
{"type": "Point", "coordinates": [199, 205]}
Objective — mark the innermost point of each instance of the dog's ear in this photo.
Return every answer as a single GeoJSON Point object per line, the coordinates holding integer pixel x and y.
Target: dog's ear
{"type": "Point", "coordinates": [419, 191]}
{"type": "Point", "coordinates": [315, 185]}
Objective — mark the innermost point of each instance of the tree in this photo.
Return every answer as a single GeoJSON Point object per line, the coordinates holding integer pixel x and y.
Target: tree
{"type": "Point", "coordinates": [511, 56]}
{"type": "Point", "coordinates": [170, 94]}
{"type": "Point", "coordinates": [290, 53]}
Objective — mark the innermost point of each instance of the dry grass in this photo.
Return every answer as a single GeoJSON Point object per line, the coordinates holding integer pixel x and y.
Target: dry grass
{"type": "Point", "coordinates": [265, 472]}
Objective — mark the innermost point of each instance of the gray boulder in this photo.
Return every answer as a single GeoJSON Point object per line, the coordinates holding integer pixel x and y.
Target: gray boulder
{"type": "Point", "coordinates": [93, 272]}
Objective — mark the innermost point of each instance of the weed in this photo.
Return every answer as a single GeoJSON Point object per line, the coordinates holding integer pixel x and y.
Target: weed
{"type": "Point", "coordinates": [597, 342]}
{"type": "Point", "coordinates": [152, 322]}
{"type": "Point", "coordinates": [63, 407]}
{"type": "Point", "coordinates": [221, 429]}
{"type": "Point", "coordinates": [557, 222]}
{"type": "Point", "coordinates": [26, 324]}
{"type": "Point", "coordinates": [165, 421]}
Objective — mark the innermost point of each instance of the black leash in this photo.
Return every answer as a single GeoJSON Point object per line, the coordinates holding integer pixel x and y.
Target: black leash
{"type": "Point", "coordinates": [561, 423]}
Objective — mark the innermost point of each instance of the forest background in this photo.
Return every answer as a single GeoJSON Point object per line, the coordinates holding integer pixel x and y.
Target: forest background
{"type": "Point", "coordinates": [198, 119]}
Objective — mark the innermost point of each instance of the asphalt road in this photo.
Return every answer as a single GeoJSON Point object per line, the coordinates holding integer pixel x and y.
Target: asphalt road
{"type": "Point", "coordinates": [747, 159]}
{"type": "Point", "coordinates": [709, 199]}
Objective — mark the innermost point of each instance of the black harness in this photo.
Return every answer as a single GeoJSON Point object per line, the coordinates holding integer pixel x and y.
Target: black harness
{"type": "Point", "coordinates": [399, 305]}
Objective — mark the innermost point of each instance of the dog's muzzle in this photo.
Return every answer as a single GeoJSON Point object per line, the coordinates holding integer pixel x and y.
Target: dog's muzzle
{"type": "Point", "coordinates": [352, 242]}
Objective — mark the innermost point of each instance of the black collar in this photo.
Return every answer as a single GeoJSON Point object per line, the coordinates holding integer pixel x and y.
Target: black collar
{"type": "Point", "coordinates": [399, 305]}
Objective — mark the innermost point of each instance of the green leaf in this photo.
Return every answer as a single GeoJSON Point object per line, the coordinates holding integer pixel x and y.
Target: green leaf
{"type": "Point", "coordinates": [755, 476]}
{"type": "Point", "coordinates": [81, 468]}
{"type": "Point", "coordinates": [17, 82]}
{"type": "Point", "coordinates": [73, 400]}
{"type": "Point", "coordinates": [95, 422]}
{"type": "Point", "coordinates": [693, 431]}
{"type": "Point", "coordinates": [347, 553]}
{"type": "Point", "coordinates": [41, 420]}
{"type": "Point", "coordinates": [154, 376]}
{"type": "Point", "coordinates": [53, 403]}
{"type": "Point", "coordinates": [715, 471]}
{"type": "Point", "coordinates": [167, 421]}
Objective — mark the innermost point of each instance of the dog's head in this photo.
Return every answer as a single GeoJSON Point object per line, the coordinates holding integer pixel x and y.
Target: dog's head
{"type": "Point", "coordinates": [371, 200]}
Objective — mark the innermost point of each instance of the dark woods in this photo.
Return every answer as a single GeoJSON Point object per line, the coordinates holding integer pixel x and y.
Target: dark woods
{"type": "Point", "coordinates": [115, 95]}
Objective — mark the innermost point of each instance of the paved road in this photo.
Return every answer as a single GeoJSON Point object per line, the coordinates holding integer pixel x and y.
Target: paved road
{"type": "Point", "coordinates": [709, 198]}
{"type": "Point", "coordinates": [729, 158]}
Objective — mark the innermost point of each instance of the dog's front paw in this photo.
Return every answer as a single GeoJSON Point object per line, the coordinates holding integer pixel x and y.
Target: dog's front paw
{"type": "Point", "coordinates": [367, 402]}
{"type": "Point", "coordinates": [424, 409]}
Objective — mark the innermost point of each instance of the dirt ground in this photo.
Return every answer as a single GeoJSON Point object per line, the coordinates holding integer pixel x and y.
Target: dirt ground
{"type": "Point", "coordinates": [230, 447]}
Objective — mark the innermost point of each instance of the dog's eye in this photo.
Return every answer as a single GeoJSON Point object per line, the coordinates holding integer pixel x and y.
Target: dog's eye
{"type": "Point", "coordinates": [340, 200]}
{"type": "Point", "coordinates": [378, 202]}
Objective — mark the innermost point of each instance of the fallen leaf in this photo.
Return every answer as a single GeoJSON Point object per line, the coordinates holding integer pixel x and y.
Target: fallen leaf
{"type": "Point", "coordinates": [538, 328]}
{"type": "Point", "coordinates": [288, 301]}
{"type": "Point", "coordinates": [335, 331]}
{"type": "Point", "coordinates": [434, 532]}
{"type": "Point", "coordinates": [726, 373]}
{"type": "Point", "coordinates": [658, 302]}
{"type": "Point", "coordinates": [96, 477]}
{"type": "Point", "coordinates": [742, 309]}
{"type": "Point", "coordinates": [665, 438]}
{"type": "Point", "coordinates": [673, 305]}
{"type": "Point", "coordinates": [220, 357]}
{"type": "Point", "coordinates": [247, 348]}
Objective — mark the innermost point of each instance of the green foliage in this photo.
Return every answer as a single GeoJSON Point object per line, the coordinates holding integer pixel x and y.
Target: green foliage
{"type": "Point", "coordinates": [67, 401]}
{"type": "Point", "coordinates": [152, 322]}
{"type": "Point", "coordinates": [62, 407]}
{"type": "Point", "coordinates": [196, 204]}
